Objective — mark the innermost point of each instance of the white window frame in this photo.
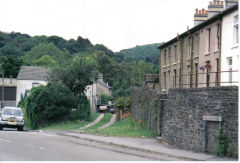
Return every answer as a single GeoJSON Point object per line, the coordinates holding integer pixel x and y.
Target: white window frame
{"type": "Point", "coordinates": [236, 30]}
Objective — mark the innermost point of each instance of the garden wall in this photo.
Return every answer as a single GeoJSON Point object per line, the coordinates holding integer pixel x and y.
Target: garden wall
{"type": "Point", "coordinates": [183, 117]}
{"type": "Point", "coordinates": [178, 116]}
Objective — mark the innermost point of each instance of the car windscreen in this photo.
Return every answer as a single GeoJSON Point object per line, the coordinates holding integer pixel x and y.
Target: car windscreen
{"type": "Point", "coordinates": [12, 112]}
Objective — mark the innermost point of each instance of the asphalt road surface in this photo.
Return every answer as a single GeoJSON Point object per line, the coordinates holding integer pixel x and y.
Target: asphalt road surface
{"type": "Point", "coordinates": [40, 146]}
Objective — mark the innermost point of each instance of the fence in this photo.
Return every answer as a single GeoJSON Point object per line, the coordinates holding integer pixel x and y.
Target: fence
{"type": "Point", "coordinates": [211, 79]}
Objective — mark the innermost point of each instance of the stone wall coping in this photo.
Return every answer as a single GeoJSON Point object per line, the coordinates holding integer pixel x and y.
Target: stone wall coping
{"type": "Point", "coordinates": [222, 88]}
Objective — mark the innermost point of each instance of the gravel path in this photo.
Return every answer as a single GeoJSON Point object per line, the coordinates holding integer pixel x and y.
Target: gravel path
{"type": "Point", "coordinates": [94, 122]}
{"type": "Point", "coordinates": [113, 119]}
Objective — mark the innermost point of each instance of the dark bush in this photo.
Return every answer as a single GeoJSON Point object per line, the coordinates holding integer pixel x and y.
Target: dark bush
{"type": "Point", "coordinates": [47, 104]}
{"type": "Point", "coordinates": [82, 110]}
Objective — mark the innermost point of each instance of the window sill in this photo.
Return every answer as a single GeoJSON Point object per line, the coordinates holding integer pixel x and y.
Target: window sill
{"type": "Point", "coordinates": [236, 46]}
{"type": "Point", "coordinates": [195, 57]}
{"type": "Point", "coordinates": [206, 54]}
{"type": "Point", "coordinates": [216, 51]}
{"type": "Point", "coordinates": [168, 65]}
{"type": "Point", "coordinates": [174, 63]}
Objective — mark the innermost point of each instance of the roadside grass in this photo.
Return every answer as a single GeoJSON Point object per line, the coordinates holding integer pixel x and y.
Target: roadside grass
{"type": "Point", "coordinates": [125, 128]}
{"type": "Point", "coordinates": [107, 117]}
{"type": "Point", "coordinates": [69, 125]}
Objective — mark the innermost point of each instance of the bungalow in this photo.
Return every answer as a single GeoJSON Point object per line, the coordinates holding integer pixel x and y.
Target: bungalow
{"type": "Point", "coordinates": [29, 77]}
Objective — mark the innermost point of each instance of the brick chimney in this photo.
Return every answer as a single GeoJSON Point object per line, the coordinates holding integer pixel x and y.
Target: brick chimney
{"type": "Point", "coordinates": [229, 3]}
{"type": "Point", "coordinates": [215, 7]}
{"type": "Point", "coordinates": [200, 16]}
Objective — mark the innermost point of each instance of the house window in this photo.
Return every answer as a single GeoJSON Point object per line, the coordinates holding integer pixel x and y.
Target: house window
{"type": "Point", "coordinates": [217, 43]}
{"type": "Point", "coordinates": [175, 79]}
{"type": "Point", "coordinates": [165, 57]}
{"type": "Point", "coordinates": [169, 55]}
{"type": "Point", "coordinates": [196, 75]}
{"type": "Point", "coordinates": [35, 84]}
{"type": "Point", "coordinates": [175, 53]}
{"type": "Point", "coordinates": [188, 76]}
{"type": "Point", "coordinates": [217, 73]}
{"type": "Point", "coordinates": [230, 69]}
{"type": "Point", "coordinates": [165, 81]}
{"type": "Point", "coordinates": [207, 73]}
{"type": "Point", "coordinates": [169, 79]}
{"type": "Point", "coordinates": [208, 40]}
{"type": "Point", "coordinates": [189, 48]}
{"type": "Point", "coordinates": [197, 45]}
{"type": "Point", "coordinates": [235, 29]}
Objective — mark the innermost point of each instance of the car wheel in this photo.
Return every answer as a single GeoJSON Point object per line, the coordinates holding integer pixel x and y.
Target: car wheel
{"type": "Point", "coordinates": [20, 128]}
{"type": "Point", "coordinates": [1, 127]}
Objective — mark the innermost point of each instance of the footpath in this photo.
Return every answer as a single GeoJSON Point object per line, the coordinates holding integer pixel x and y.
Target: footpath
{"type": "Point", "coordinates": [150, 145]}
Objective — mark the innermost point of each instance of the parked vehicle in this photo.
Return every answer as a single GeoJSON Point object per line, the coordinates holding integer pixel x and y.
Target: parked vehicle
{"type": "Point", "coordinates": [12, 117]}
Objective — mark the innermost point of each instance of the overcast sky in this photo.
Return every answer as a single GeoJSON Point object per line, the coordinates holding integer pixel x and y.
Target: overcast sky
{"type": "Point", "coordinates": [118, 24]}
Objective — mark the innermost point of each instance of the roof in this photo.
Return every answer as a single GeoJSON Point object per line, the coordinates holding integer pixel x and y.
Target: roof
{"type": "Point", "coordinates": [104, 84]}
{"type": "Point", "coordinates": [32, 73]}
{"type": "Point", "coordinates": [201, 25]}
{"type": "Point", "coordinates": [8, 82]}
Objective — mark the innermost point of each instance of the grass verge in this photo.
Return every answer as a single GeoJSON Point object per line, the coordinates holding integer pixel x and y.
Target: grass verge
{"type": "Point", "coordinates": [69, 125]}
{"type": "Point", "coordinates": [107, 117]}
{"type": "Point", "coordinates": [125, 128]}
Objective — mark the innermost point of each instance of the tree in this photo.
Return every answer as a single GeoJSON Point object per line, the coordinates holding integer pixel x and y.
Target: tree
{"type": "Point", "coordinates": [77, 75]}
{"type": "Point", "coordinates": [45, 61]}
{"type": "Point", "coordinates": [44, 49]}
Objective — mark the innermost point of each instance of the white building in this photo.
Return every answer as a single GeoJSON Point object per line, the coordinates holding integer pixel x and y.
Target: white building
{"type": "Point", "coordinates": [94, 91]}
{"type": "Point", "coordinates": [29, 77]}
{"type": "Point", "coordinates": [230, 48]}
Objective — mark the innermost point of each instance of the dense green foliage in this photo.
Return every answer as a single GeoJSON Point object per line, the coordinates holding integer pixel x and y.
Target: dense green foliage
{"type": "Point", "coordinates": [10, 66]}
{"type": "Point", "coordinates": [148, 53]}
{"type": "Point", "coordinates": [105, 98]}
{"type": "Point", "coordinates": [222, 149]}
{"type": "Point", "coordinates": [47, 104]}
{"type": "Point", "coordinates": [75, 64]}
{"type": "Point", "coordinates": [77, 75]}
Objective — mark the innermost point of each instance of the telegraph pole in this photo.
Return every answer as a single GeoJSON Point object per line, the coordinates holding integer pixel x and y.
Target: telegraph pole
{"type": "Point", "coordinates": [2, 103]}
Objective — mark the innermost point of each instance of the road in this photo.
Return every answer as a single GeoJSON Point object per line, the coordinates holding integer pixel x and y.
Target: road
{"type": "Point", "coordinates": [40, 146]}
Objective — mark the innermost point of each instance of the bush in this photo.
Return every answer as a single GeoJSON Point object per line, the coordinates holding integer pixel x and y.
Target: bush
{"type": "Point", "coordinates": [105, 98]}
{"type": "Point", "coordinates": [83, 109]}
{"type": "Point", "coordinates": [47, 104]}
{"type": "Point", "coordinates": [222, 148]}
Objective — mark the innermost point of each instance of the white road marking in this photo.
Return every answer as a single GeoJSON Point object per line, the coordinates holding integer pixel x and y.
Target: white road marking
{"type": "Point", "coordinates": [41, 133]}
{"type": "Point", "coordinates": [5, 140]}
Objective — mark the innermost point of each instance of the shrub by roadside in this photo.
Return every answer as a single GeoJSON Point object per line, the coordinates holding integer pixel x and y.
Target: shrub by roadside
{"type": "Point", "coordinates": [48, 104]}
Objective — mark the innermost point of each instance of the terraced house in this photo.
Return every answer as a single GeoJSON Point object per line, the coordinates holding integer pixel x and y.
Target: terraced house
{"type": "Point", "coordinates": [194, 58]}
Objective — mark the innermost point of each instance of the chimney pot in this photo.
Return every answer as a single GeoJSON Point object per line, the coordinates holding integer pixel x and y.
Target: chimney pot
{"type": "Point", "coordinates": [200, 12]}
{"type": "Point", "coordinates": [214, 2]}
{"type": "Point", "coordinates": [222, 2]}
{"type": "Point", "coordinates": [203, 11]}
{"type": "Point", "coordinates": [210, 3]}
{"type": "Point", "coordinates": [206, 12]}
{"type": "Point", "coordinates": [196, 11]}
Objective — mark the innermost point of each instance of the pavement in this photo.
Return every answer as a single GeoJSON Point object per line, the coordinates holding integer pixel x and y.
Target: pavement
{"type": "Point", "coordinates": [149, 145]}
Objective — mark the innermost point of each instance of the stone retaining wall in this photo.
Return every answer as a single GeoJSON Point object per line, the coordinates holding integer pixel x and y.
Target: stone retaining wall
{"type": "Point", "coordinates": [178, 116]}
{"type": "Point", "coordinates": [184, 111]}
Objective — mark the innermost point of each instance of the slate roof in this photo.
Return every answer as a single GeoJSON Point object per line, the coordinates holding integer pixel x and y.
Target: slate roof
{"type": "Point", "coordinates": [32, 73]}
{"type": "Point", "coordinates": [104, 84]}
{"type": "Point", "coordinates": [201, 25]}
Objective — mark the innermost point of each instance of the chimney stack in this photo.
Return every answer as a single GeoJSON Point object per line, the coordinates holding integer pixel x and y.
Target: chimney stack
{"type": "Point", "coordinates": [229, 3]}
{"type": "Point", "coordinates": [215, 7]}
{"type": "Point", "coordinates": [200, 16]}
